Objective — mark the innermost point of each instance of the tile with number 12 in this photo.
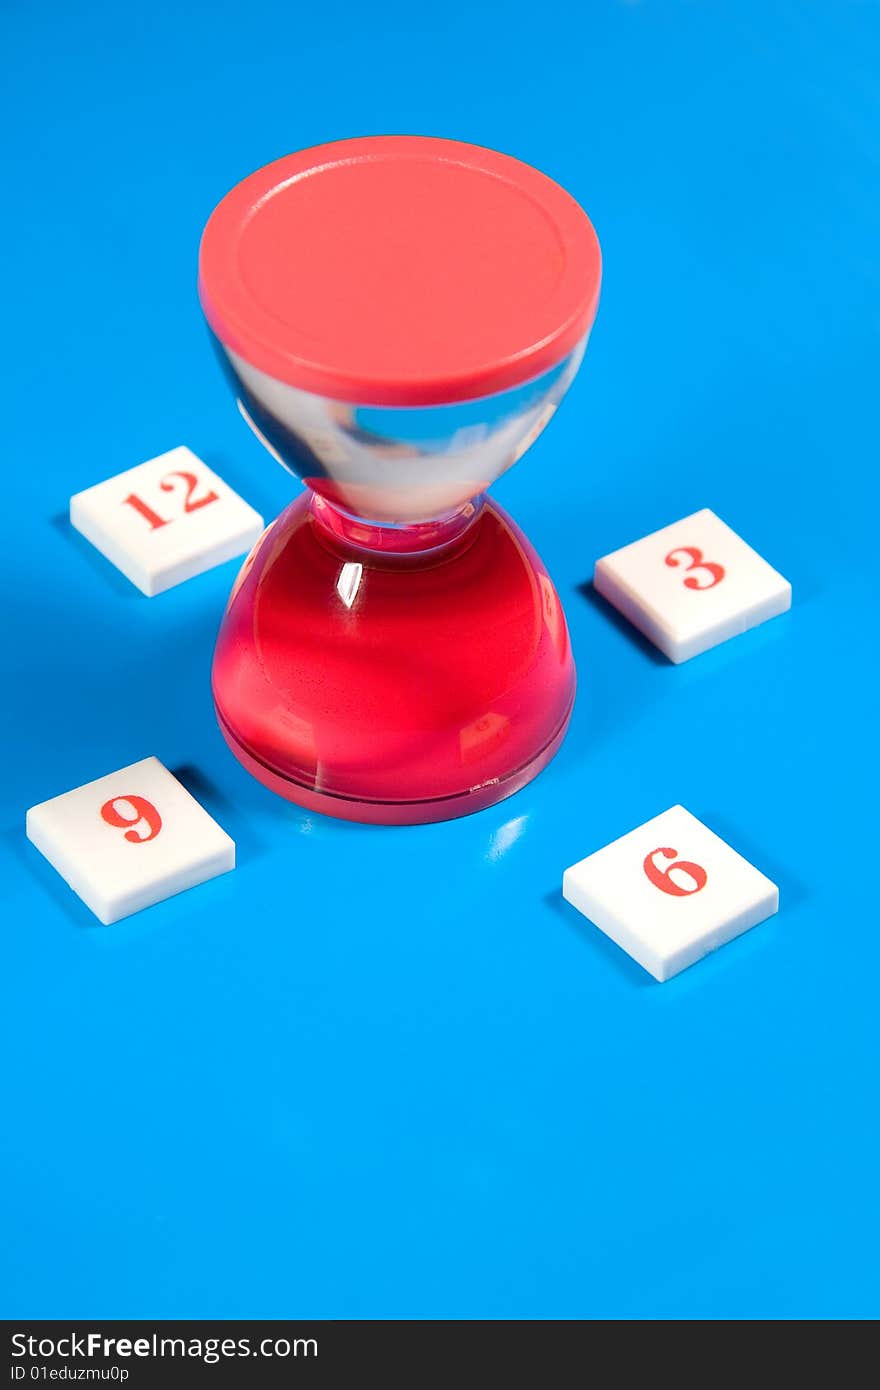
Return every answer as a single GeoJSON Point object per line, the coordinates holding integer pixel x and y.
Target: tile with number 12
{"type": "Point", "coordinates": [670, 892]}
{"type": "Point", "coordinates": [130, 839]}
{"type": "Point", "coordinates": [166, 520]}
{"type": "Point", "coordinates": [691, 585]}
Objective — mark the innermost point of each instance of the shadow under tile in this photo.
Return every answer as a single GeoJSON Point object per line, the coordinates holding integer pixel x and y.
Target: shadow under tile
{"type": "Point", "coordinates": [48, 878]}
{"type": "Point", "coordinates": [227, 814]}
{"type": "Point", "coordinates": [113, 577]}
{"type": "Point", "coordinates": [599, 942]}
{"type": "Point", "coordinates": [588, 591]}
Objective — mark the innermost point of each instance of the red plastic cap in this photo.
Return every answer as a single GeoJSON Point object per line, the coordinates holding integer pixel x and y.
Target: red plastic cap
{"type": "Point", "coordinates": [399, 270]}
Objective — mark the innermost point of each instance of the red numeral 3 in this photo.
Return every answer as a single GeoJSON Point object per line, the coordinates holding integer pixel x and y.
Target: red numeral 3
{"type": "Point", "coordinates": [190, 503]}
{"type": "Point", "coordinates": [696, 563]}
{"type": "Point", "coordinates": [661, 877]}
{"type": "Point", "coordinates": [144, 813]}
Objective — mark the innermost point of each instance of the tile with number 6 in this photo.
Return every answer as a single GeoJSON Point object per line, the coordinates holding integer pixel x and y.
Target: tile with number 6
{"type": "Point", "coordinates": [692, 585]}
{"type": "Point", "coordinates": [130, 839]}
{"type": "Point", "coordinates": [166, 520]}
{"type": "Point", "coordinates": [670, 892]}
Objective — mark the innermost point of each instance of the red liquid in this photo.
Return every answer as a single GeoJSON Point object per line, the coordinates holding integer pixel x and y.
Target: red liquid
{"type": "Point", "coordinates": [393, 687]}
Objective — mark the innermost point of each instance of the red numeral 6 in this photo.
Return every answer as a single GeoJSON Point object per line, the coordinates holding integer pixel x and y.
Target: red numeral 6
{"type": "Point", "coordinates": [145, 813]}
{"type": "Point", "coordinates": [662, 878]}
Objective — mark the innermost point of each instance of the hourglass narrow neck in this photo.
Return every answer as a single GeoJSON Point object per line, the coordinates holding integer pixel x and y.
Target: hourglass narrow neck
{"type": "Point", "coordinates": [404, 539]}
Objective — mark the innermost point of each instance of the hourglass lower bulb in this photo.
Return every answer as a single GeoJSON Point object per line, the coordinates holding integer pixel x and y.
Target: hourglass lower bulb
{"type": "Point", "coordinates": [399, 317]}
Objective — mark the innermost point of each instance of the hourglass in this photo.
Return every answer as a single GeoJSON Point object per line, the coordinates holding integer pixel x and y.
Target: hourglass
{"type": "Point", "coordinates": [399, 317]}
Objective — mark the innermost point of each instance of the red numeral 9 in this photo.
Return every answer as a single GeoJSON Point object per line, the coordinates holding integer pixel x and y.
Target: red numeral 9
{"type": "Point", "coordinates": [661, 878]}
{"type": "Point", "coordinates": [696, 563]}
{"type": "Point", "coordinates": [144, 813]}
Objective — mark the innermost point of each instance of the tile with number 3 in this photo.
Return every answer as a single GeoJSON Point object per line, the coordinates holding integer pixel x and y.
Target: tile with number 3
{"type": "Point", "coordinates": [692, 585]}
{"type": "Point", "coordinates": [166, 520]}
{"type": "Point", "coordinates": [130, 839]}
{"type": "Point", "coordinates": [670, 892]}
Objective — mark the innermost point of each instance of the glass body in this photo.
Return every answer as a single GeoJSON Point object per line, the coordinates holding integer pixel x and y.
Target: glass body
{"type": "Point", "coordinates": [393, 649]}
{"type": "Point", "coordinates": [396, 465]}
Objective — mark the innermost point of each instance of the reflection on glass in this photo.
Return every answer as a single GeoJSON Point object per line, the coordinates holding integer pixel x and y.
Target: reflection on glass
{"type": "Point", "coordinates": [349, 582]}
{"type": "Point", "coordinates": [258, 433]}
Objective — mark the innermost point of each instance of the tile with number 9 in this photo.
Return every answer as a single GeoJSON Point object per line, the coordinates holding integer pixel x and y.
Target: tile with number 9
{"type": "Point", "coordinates": [166, 520]}
{"type": "Point", "coordinates": [670, 892]}
{"type": "Point", "coordinates": [692, 585]}
{"type": "Point", "coordinates": [130, 839]}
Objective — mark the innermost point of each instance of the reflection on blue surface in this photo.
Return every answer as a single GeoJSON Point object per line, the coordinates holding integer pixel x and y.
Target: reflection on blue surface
{"type": "Point", "coordinates": [501, 840]}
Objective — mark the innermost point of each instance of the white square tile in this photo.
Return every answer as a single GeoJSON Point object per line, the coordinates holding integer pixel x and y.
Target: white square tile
{"type": "Point", "coordinates": [692, 585]}
{"type": "Point", "coordinates": [130, 839]}
{"type": "Point", "coordinates": [670, 892]}
{"type": "Point", "coordinates": [166, 520]}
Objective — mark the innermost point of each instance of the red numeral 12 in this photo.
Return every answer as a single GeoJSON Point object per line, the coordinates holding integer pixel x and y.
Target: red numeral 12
{"type": "Point", "coordinates": [190, 504]}
{"type": "Point", "coordinates": [147, 512]}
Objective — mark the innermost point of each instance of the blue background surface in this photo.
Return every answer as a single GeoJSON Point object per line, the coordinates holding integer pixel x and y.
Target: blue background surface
{"type": "Point", "coordinates": [382, 1073]}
